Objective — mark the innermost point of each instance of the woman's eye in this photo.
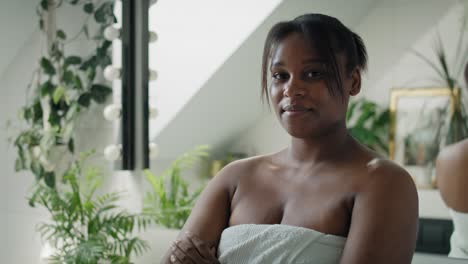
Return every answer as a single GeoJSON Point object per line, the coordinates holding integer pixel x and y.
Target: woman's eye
{"type": "Point", "coordinates": [280, 76]}
{"type": "Point", "coordinates": [313, 74]}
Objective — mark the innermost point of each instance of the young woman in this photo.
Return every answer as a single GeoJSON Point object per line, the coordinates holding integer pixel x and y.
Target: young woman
{"type": "Point", "coordinates": [323, 199]}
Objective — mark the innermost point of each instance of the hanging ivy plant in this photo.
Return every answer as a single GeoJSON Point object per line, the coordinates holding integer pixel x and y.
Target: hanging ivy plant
{"type": "Point", "coordinates": [65, 85]}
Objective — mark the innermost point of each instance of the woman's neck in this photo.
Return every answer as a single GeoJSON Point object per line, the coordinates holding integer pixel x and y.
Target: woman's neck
{"type": "Point", "coordinates": [329, 146]}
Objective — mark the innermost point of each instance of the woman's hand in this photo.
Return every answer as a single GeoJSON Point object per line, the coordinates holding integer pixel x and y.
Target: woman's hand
{"type": "Point", "coordinates": [208, 219]}
{"type": "Point", "coordinates": [192, 250]}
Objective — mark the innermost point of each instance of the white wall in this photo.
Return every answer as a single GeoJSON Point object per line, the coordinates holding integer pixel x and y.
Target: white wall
{"type": "Point", "coordinates": [24, 15]}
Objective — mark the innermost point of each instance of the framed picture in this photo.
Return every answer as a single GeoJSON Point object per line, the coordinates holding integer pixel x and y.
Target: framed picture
{"type": "Point", "coordinates": [417, 118]}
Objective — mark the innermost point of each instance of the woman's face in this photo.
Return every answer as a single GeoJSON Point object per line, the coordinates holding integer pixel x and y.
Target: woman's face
{"type": "Point", "coordinates": [299, 92]}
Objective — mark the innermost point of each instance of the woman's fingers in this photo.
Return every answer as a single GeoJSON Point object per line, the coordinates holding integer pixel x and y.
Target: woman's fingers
{"type": "Point", "coordinates": [199, 244]}
{"type": "Point", "coordinates": [179, 255]}
{"type": "Point", "coordinates": [173, 259]}
{"type": "Point", "coordinates": [207, 251]}
{"type": "Point", "coordinates": [190, 251]}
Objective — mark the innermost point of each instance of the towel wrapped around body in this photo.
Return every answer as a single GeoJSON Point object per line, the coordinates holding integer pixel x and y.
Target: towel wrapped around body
{"type": "Point", "coordinates": [459, 238]}
{"type": "Point", "coordinates": [252, 243]}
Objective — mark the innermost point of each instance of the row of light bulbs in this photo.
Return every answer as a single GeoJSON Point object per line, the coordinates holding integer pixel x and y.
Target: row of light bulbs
{"type": "Point", "coordinates": [114, 152]}
{"type": "Point", "coordinates": [114, 111]}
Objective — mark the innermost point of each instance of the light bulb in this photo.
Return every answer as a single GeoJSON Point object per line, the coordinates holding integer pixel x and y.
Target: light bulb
{"type": "Point", "coordinates": [111, 73]}
{"type": "Point", "coordinates": [153, 112]}
{"type": "Point", "coordinates": [111, 33]}
{"type": "Point", "coordinates": [153, 75]}
{"type": "Point", "coordinates": [112, 112]}
{"type": "Point", "coordinates": [153, 37]}
{"type": "Point", "coordinates": [113, 152]}
{"type": "Point", "coordinates": [153, 150]}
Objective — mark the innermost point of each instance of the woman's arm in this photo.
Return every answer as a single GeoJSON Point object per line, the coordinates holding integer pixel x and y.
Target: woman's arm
{"type": "Point", "coordinates": [384, 218]}
{"type": "Point", "coordinates": [452, 177]}
{"type": "Point", "coordinates": [208, 219]}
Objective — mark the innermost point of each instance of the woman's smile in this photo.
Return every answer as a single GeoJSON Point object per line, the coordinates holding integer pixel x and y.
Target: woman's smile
{"type": "Point", "coordinates": [297, 113]}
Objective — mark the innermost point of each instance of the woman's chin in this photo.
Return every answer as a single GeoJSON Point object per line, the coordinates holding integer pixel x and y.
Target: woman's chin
{"type": "Point", "coordinates": [299, 132]}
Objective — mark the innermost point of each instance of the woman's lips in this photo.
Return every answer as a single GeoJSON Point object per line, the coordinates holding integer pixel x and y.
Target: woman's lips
{"type": "Point", "coordinates": [294, 113]}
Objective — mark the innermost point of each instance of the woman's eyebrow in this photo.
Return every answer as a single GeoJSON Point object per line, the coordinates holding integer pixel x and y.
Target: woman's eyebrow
{"type": "Point", "coordinates": [306, 61]}
{"type": "Point", "coordinates": [313, 61]}
{"type": "Point", "coordinates": [277, 63]}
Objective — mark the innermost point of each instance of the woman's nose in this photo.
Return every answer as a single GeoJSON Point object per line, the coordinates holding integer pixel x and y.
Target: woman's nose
{"type": "Point", "coordinates": [293, 88]}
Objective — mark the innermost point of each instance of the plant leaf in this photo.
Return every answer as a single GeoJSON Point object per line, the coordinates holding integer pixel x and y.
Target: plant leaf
{"type": "Point", "coordinates": [19, 164]}
{"type": "Point", "coordinates": [61, 34]}
{"type": "Point", "coordinates": [73, 60]}
{"type": "Point", "coordinates": [428, 61]}
{"type": "Point", "coordinates": [44, 4]}
{"type": "Point", "coordinates": [49, 179]}
{"type": "Point", "coordinates": [77, 82]}
{"type": "Point", "coordinates": [85, 99]}
{"type": "Point", "coordinates": [441, 56]}
{"type": "Point", "coordinates": [47, 66]}
{"type": "Point", "coordinates": [71, 145]}
{"type": "Point", "coordinates": [100, 92]}
{"type": "Point", "coordinates": [47, 88]}
{"type": "Point", "coordinates": [58, 94]}
{"type": "Point", "coordinates": [88, 8]}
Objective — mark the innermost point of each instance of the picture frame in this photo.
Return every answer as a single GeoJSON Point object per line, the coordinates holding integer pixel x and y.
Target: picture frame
{"type": "Point", "coordinates": [417, 119]}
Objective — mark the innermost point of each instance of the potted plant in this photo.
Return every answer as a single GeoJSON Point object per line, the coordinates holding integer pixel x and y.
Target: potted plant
{"type": "Point", "coordinates": [63, 86]}
{"type": "Point", "coordinates": [449, 73]}
{"type": "Point", "coordinates": [170, 199]}
{"type": "Point", "coordinates": [369, 123]}
{"type": "Point", "coordinates": [85, 227]}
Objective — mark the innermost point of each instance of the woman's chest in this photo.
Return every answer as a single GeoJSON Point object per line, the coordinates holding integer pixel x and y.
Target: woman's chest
{"type": "Point", "coordinates": [322, 205]}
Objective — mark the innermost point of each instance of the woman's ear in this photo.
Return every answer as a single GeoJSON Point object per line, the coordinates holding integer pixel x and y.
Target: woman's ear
{"type": "Point", "coordinates": [355, 82]}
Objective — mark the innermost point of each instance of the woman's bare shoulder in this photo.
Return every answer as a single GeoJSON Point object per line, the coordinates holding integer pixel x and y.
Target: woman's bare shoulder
{"type": "Point", "coordinates": [386, 176]}
{"type": "Point", "coordinates": [454, 154]}
{"type": "Point", "coordinates": [234, 171]}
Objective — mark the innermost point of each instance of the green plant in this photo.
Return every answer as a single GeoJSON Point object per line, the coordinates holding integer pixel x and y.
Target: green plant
{"type": "Point", "coordinates": [170, 202]}
{"type": "Point", "coordinates": [450, 74]}
{"type": "Point", "coordinates": [63, 86]}
{"type": "Point", "coordinates": [87, 228]}
{"type": "Point", "coordinates": [369, 123]}
{"type": "Point", "coordinates": [421, 146]}
{"type": "Point", "coordinates": [216, 165]}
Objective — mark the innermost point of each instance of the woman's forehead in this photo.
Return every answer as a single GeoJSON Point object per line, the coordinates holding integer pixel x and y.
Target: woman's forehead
{"type": "Point", "coordinates": [294, 46]}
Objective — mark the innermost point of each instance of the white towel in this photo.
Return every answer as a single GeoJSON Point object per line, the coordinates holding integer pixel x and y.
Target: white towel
{"type": "Point", "coordinates": [459, 238]}
{"type": "Point", "coordinates": [280, 244]}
